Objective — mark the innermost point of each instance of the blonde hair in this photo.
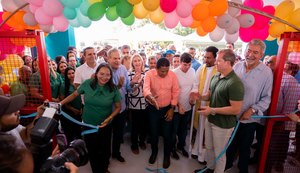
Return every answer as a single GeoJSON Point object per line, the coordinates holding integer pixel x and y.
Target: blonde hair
{"type": "Point", "coordinates": [143, 63]}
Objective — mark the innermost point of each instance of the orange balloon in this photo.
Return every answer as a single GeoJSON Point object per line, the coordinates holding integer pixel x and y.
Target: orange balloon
{"type": "Point", "coordinates": [201, 11]}
{"type": "Point", "coordinates": [157, 16]}
{"type": "Point", "coordinates": [276, 29]}
{"type": "Point", "coordinates": [29, 42]}
{"type": "Point", "coordinates": [209, 24]}
{"type": "Point", "coordinates": [200, 31]}
{"type": "Point", "coordinates": [139, 11]}
{"type": "Point", "coordinates": [195, 24]}
{"type": "Point", "coordinates": [217, 7]}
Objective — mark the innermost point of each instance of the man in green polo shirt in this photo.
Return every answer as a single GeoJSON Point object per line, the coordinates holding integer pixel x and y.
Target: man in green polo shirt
{"type": "Point", "coordinates": [226, 94]}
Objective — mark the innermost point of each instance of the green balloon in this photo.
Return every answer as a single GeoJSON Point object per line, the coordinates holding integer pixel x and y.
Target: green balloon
{"type": "Point", "coordinates": [124, 8]}
{"type": "Point", "coordinates": [110, 3]}
{"type": "Point", "coordinates": [111, 13]}
{"type": "Point", "coordinates": [70, 13]}
{"type": "Point", "coordinates": [96, 11]}
{"type": "Point", "coordinates": [128, 20]}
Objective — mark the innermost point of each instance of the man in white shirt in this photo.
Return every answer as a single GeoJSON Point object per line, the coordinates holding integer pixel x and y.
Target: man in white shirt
{"type": "Point", "coordinates": [186, 79]}
{"type": "Point", "coordinates": [86, 70]}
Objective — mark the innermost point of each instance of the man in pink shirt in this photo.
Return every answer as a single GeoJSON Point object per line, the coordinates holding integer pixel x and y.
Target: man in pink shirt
{"type": "Point", "coordinates": [161, 89]}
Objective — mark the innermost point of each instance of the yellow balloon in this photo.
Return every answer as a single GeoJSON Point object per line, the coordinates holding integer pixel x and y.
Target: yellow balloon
{"type": "Point", "coordinates": [157, 16]}
{"type": "Point", "coordinates": [295, 17]}
{"type": "Point", "coordinates": [94, 1]}
{"type": "Point", "coordinates": [10, 78]}
{"type": "Point", "coordinates": [133, 2]}
{"type": "Point", "coordinates": [289, 29]}
{"type": "Point", "coordinates": [139, 11]}
{"type": "Point", "coordinates": [297, 4]}
{"type": "Point", "coordinates": [270, 38]}
{"type": "Point", "coordinates": [276, 29]}
{"type": "Point", "coordinates": [151, 5]}
{"type": "Point", "coordinates": [284, 9]}
{"type": "Point", "coordinates": [12, 61]}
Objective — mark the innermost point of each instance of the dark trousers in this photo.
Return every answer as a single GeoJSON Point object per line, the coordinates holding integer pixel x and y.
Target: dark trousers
{"type": "Point", "coordinates": [259, 137]}
{"type": "Point", "coordinates": [99, 149]}
{"type": "Point", "coordinates": [158, 123]}
{"type": "Point", "coordinates": [241, 143]}
{"type": "Point", "coordinates": [298, 142]}
{"type": "Point", "coordinates": [118, 124]}
{"type": "Point", "coordinates": [139, 126]}
{"type": "Point", "coordinates": [180, 123]}
{"type": "Point", "coordinates": [71, 130]}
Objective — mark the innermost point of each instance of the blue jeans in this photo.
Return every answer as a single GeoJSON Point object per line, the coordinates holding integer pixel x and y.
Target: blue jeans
{"type": "Point", "coordinates": [180, 123]}
{"type": "Point", "coordinates": [157, 124]}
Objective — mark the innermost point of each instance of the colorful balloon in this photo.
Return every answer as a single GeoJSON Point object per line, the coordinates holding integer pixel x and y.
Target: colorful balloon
{"type": "Point", "coordinates": [111, 13]}
{"type": "Point", "coordinates": [184, 9]}
{"type": "Point", "coordinates": [246, 20]}
{"type": "Point", "coordinates": [284, 9]}
{"type": "Point", "coordinates": [52, 8]}
{"type": "Point", "coordinates": [139, 11]}
{"type": "Point", "coordinates": [201, 11]}
{"type": "Point", "coordinates": [209, 24]}
{"type": "Point", "coordinates": [96, 11]}
{"type": "Point", "coordinates": [69, 13]}
{"type": "Point", "coordinates": [151, 5]}
{"type": "Point", "coordinates": [60, 23]}
{"type": "Point", "coordinates": [217, 34]}
{"type": "Point", "coordinates": [171, 20]}
{"type": "Point", "coordinates": [128, 20]}
{"type": "Point", "coordinates": [168, 6]}
{"type": "Point", "coordinates": [157, 16]}
{"type": "Point", "coordinates": [217, 7]}
{"type": "Point", "coordinates": [124, 8]}
{"type": "Point", "coordinates": [224, 21]}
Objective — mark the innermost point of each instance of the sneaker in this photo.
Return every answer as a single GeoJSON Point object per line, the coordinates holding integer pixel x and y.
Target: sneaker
{"type": "Point", "coordinates": [174, 155]}
{"type": "Point", "coordinates": [119, 158]}
{"type": "Point", "coordinates": [202, 163]}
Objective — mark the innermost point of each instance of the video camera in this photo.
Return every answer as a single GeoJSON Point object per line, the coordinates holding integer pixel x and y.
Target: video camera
{"type": "Point", "coordinates": [41, 143]}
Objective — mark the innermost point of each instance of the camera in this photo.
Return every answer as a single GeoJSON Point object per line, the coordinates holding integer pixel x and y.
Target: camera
{"type": "Point", "coordinates": [75, 153]}
{"type": "Point", "coordinates": [41, 144]}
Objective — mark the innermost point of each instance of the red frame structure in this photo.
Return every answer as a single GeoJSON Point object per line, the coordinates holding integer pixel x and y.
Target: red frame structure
{"type": "Point", "coordinates": [281, 58]}
{"type": "Point", "coordinates": [42, 57]}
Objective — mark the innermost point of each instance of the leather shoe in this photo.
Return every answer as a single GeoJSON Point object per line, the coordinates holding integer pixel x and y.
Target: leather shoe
{"type": "Point", "coordinates": [166, 162]}
{"type": "Point", "coordinates": [152, 158]}
{"type": "Point", "coordinates": [119, 158]}
{"type": "Point", "coordinates": [135, 150]}
{"type": "Point", "coordinates": [207, 171]}
{"type": "Point", "coordinates": [143, 146]}
{"type": "Point", "coordinates": [202, 163]}
{"type": "Point", "coordinates": [184, 153]}
{"type": "Point", "coordinates": [174, 155]}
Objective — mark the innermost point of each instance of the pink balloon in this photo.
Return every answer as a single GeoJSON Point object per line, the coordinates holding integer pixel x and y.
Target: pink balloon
{"type": "Point", "coordinates": [38, 3]}
{"type": "Point", "coordinates": [193, 2]}
{"type": "Point", "coordinates": [53, 7]}
{"type": "Point", "coordinates": [42, 18]}
{"type": "Point", "coordinates": [262, 33]}
{"type": "Point", "coordinates": [60, 23]}
{"type": "Point", "coordinates": [184, 9]}
{"type": "Point", "coordinates": [257, 4]}
{"type": "Point", "coordinates": [168, 5]}
{"type": "Point", "coordinates": [246, 34]}
{"type": "Point", "coordinates": [186, 21]}
{"type": "Point", "coordinates": [33, 8]}
{"type": "Point", "coordinates": [171, 20]}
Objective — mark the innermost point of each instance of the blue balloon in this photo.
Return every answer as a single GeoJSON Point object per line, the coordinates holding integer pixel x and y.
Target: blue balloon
{"type": "Point", "coordinates": [70, 13]}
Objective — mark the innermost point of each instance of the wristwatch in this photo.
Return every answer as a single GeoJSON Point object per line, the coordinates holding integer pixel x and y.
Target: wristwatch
{"type": "Point", "coordinates": [213, 111]}
{"type": "Point", "coordinates": [253, 111]}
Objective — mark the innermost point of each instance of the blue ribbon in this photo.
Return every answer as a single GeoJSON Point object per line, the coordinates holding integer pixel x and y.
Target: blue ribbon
{"type": "Point", "coordinates": [157, 170]}
{"type": "Point", "coordinates": [29, 116]}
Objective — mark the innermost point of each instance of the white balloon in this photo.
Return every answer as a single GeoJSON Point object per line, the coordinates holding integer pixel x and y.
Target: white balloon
{"type": "Point", "coordinates": [74, 23]}
{"type": "Point", "coordinates": [84, 21]}
{"type": "Point", "coordinates": [217, 34]}
{"type": "Point", "coordinates": [9, 5]}
{"type": "Point", "coordinates": [19, 3]}
{"type": "Point", "coordinates": [234, 27]}
{"type": "Point", "coordinates": [246, 20]}
{"type": "Point", "coordinates": [234, 11]}
{"type": "Point", "coordinates": [231, 38]}
{"type": "Point", "coordinates": [224, 21]}
{"type": "Point", "coordinates": [29, 19]}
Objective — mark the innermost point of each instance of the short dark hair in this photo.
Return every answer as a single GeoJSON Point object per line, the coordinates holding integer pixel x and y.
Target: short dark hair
{"type": "Point", "coordinates": [186, 57]}
{"type": "Point", "coordinates": [192, 48]}
{"type": "Point", "coordinates": [229, 55]}
{"type": "Point", "coordinates": [213, 50]}
{"type": "Point", "coordinates": [84, 50]}
{"type": "Point", "coordinates": [162, 62]}
{"type": "Point", "coordinates": [125, 46]}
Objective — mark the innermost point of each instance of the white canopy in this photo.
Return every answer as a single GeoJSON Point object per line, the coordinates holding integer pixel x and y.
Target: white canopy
{"type": "Point", "coordinates": [150, 32]}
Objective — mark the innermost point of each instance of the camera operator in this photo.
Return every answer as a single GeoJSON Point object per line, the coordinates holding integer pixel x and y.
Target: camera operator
{"type": "Point", "coordinates": [13, 135]}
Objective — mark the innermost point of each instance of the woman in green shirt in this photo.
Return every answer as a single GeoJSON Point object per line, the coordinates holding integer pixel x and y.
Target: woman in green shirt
{"type": "Point", "coordinates": [102, 102]}
{"type": "Point", "coordinates": [71, 130]}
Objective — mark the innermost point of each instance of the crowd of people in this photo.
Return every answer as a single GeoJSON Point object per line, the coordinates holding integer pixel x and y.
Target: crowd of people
{"type": "Point", "coordinates": [155, 94]}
